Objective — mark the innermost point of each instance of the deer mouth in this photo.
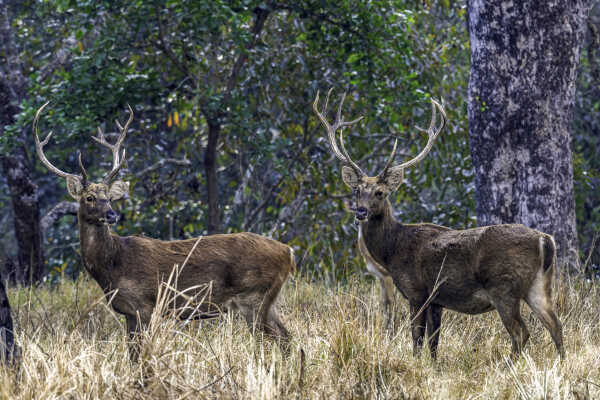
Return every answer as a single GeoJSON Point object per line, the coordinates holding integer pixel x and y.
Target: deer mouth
{"type": "Point", "coordinates": [361, 214]}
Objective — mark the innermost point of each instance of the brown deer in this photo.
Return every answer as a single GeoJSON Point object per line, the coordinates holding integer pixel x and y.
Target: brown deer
{"type": "Point", "coordinates": [471, 271]}
{"type": "Point", "coordinates": [242, 271]}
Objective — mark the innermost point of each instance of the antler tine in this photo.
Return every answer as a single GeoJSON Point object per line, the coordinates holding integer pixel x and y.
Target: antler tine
{"type": "Point", "coordinates": [339, 123]}
{"type": "Point", "coordinates": [390, 160]}
{"type": "Point", "coordinates": [116, 169]}
{"type": "Point", "coordinates": [39, 147]}
{"type": "Point", "coordinates": [83, 173]}
{"type": "Point", "coordinates": [432, 132]}
{"type": "Point", "coordinates": [345, 152]}
{"type": "Point", "coordinates": [328, 128]}
{"type": "Point", "coordinates": [118, 159]}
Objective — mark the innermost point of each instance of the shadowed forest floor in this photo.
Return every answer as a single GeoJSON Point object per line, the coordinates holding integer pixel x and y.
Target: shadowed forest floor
{"type": "Point", "coordinates": [75, 347]}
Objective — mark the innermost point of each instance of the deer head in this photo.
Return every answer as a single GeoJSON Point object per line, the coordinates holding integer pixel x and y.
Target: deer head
{"type": "Point", "coordinates": [371, 192]}
{"type": "Point", "coordinates": [94, 198]}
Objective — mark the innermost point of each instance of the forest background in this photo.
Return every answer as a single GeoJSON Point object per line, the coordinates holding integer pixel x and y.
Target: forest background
{"type": "Point", "coordinates": [224, 138]}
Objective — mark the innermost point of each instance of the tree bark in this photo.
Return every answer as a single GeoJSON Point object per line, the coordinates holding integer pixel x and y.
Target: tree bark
{"type": "Point", "coordinates": [23, 193]}
{"type": "Point", "coordinates": [24, 197]}
{"type": "Point", "coordinates": [9, 350]}
{"type": "Point", "coordinates": [524, 61]}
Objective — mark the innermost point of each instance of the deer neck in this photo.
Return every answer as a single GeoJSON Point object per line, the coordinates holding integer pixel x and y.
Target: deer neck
{"type": "Point", "coordinates": [379, 234]}
{"type": "Point", "coordinates": [98, 250]}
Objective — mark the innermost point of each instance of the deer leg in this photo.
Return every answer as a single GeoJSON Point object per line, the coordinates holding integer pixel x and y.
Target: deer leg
{"type": "Point", "coordinates": [260, 314]}
{"type": "Point", "coordinates": [510, 314]}
{"type": "Point", "coordinates": [417, 327]}
{"type": "Point", "coordinates": [434, 322]}
{"type": "Point", "coordinates": [387, 299]}
{"type": "Point", "coordinates": [135, 324]}
{"type": "Point", "coordinates": [133, 328]}
{"type": "Point", "coordinates": [275, 328]}
{"type": "Point", "coordinates": [545, 313]}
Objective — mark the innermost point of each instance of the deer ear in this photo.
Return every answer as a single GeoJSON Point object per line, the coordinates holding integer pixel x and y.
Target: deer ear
{"type": "Point", "coordinates": [350, 177]}
{"type": "Point", "coordinates": [118, 190]}
{"type": "Point", "coordinates": [393, 179]}
{"type": "Point", "coordinates": [74, 187]}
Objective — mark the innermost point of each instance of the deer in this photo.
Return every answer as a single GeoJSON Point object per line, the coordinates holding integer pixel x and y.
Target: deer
{"type": "Point", "coordinates": [242, 271]}
{"type": "Point", "coordinates": [470, 271]}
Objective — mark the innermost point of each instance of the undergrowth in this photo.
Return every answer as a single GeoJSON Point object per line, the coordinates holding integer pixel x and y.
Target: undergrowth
{"type": "Point", "coordinates": [74, 346]}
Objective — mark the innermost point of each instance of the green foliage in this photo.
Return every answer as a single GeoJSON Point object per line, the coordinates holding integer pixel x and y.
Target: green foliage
{"type": "Point", "coordinates": [173, 61]}
{"type": "Point", "coordinates": [586, 145]}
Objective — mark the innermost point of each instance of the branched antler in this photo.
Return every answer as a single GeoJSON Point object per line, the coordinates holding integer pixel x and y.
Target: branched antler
{"type": "Point", "coordinates": [331, 129]}
{"type": "Point", "coordinates": [432, 132]}
{"type": "Point", "coordinates": [39, 147]}
{"type": "Point", "coordinates": [118, 159]}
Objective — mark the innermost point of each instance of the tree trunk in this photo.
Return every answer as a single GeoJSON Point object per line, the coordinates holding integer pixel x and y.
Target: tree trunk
{"type": "Point", "coordinates": [24, 197]}
{"type": "Point", "coordinates": [23, 193]}
{"type": "Point", "coordinates": [212, 186]}
{"type": "Point", "coordinates": [9, 351]}
{"type": "Point", "coordinates": [524, 60]}
{"type": "Point", "coordinates": [15, 164]}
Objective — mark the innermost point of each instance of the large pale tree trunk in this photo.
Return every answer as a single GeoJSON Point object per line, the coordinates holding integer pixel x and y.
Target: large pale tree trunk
{"type": "Point", "coordinates": [524, 57]}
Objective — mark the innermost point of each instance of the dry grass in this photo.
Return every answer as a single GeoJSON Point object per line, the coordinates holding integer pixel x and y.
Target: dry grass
{"type": "Point", "coordinates": [75, 347]}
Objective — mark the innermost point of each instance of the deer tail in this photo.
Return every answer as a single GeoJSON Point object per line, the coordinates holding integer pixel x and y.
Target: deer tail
{"type": "Point", "coordinates": [547, 251]}
{"type": "Point", "coordinates": [292, 262]}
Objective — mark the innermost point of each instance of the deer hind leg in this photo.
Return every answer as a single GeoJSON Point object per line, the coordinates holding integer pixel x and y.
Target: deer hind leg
{"type": "Point", "coordinates": [434, 322]}
{"type": "Point", "coordinates": [539, 300]}
{"type": "Point", "coordinates": [417, 327]}
{"type": "Point", "coordinates": [510, 314]}
{"type": "Point", "coordinates": [259, 312]}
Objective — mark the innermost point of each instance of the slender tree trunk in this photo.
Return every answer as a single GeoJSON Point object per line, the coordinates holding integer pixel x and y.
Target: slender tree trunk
{"type": "Point", "coordinates": [23, 193]}
{"type": "Point", "coordinates": [212, 185]}
{"type": "Point", "coordinates": [24, 197]}
{"type": "Point", "coordinates": [9, 351]}
{"type": "Point", "coordinates": [524, 59]}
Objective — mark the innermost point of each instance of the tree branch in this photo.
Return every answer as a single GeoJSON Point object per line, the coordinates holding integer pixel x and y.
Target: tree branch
{"type": "Point", "coordinates": [58, 211]}
{"type": "Point", "coordinates": [162, 162]}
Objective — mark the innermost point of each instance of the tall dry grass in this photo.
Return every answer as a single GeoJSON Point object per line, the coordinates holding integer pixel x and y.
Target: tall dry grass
{"type": "Point", "coordinates": [75, 347]}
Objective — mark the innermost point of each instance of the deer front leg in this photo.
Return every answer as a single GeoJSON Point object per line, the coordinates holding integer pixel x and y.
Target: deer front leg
{"type": "Point", "coordinates": [434, 322]}
{"type": "Point", "coordinates": [387, 299]}
{"type": "Point", "coordinates": [417, 326]}
{"type": "Point", "coordinates": [135, 324]}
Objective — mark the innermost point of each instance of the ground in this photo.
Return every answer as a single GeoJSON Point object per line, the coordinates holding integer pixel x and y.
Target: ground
{"type": "Point", "coordinates": [75, 347]}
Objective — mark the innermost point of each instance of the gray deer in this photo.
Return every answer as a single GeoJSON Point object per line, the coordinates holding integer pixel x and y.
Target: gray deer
{"type": "Point", "coordinates": [471, 271]}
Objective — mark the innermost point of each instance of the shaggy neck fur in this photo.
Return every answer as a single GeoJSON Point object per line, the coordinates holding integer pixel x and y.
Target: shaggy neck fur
{"type": "Point", "coordinates": [98, 249]}
{"type": "Point", "coordinates": [380, 234]}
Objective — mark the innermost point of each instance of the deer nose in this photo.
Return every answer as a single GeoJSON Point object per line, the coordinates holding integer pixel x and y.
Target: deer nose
{"type": "Point", "coordinates": [111, 216]}
{"type": "Point", "coordinates": [361, 213]}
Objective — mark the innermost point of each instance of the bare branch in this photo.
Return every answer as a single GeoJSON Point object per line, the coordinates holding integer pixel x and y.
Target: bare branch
{"type": "Point", "coordinates": [183, 162]}
{"type": "Point", "coordinates": [57, 212]}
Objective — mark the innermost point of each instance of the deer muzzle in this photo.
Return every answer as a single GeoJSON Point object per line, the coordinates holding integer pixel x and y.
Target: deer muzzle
{"type": "Point", "coordinates": [361, 213]}
{"type": "Point", "coordinates": [111, 217]}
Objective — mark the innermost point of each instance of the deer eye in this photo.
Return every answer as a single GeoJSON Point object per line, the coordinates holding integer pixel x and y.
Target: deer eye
{"type": "Point", "coordinates": [379, 194]}
{"type": "Point", "coordinates": [90, 198]}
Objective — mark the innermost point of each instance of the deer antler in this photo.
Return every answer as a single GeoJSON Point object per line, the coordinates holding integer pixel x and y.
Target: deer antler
{"type": "Point", "coordinates": [331, 129]}
{"type": "Point", "coordinates": [433, 132]}
{"type": "Point", "coordinates": [39, 147]}
{"type": "Point", "coordinates": [118, 159]}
